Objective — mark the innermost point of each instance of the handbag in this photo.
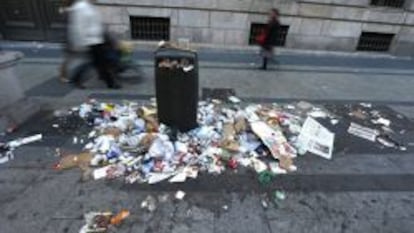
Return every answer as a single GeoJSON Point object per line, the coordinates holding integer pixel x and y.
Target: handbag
{"type": "Point", "coordinates": [261, 37]}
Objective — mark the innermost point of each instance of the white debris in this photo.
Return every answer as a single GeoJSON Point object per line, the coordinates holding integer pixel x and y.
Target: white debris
{"type": "Point", "coordinates": [382, 121]}
{"type": "Point", "coordinates": [23, 141]}
{"type": "Point", "coordinates": [316, 139]}
{"type": "Point", "coordinates": [234, 100]}
{"type": "Point", "coordinates": [366, 105]}
{"type": "Point", "coordinates": [334, 121]}
{"type": "Point", "coordinates": [158, 177]}
{"type": "Point", "coordinates": [363, 132]}
{"type": "Point", "coordinates": [179, 178]}
{"type": "Point", "coordinates": [101, 173]}
{"type": "Point", "coordinates": [318, 114]}
{"type": "Point", "coordinates": [179, 195]}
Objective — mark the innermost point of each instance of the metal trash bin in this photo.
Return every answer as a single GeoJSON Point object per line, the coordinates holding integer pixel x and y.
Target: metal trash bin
{"type": "Point", "coordinates": [176, 85]}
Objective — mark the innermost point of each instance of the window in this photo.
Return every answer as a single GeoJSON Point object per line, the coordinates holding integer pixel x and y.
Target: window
{"type": "Point", "coordinates": [372, 41]}
{"type": "Point", "coordinates": [390, 3]}
{"type": "Point", "coordinates": [150, 28]}
{"type": "Point", "coordinates": [257, 28]}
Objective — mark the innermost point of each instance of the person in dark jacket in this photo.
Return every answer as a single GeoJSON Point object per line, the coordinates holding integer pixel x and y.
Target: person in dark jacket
{"type": "Point", "coordinates": [68, 52]}
{"type": "Point", "coordinates": [271, 34]}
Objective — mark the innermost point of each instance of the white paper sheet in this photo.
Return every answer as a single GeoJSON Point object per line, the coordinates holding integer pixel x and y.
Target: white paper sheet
{"type": "Point", "coordinates": [316, 139]}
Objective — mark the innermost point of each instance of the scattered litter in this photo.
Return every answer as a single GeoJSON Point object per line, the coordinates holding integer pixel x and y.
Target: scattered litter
{"type": "Point", "coordinates": [265, 204]}
{"type": "Point", "coordinates": [81, 160]}
{"type": "Point", "coordinates": [234, 99]}
{"type": "Point", "coordinates": [7, 149]}
{"type": "Point", "coordinates": [366, 105]}
{"type": "Point", "coordinates": [316, 139]}
{"type": "Point", "coordinates": [382, 121]}
{"type": "Point", "coordinates": [363, 132]}
{"type": "Point", "coordinates": [387, 129]}
{"type": "Point", "coordinates": [150, 203]}
{"type": "Point", "coordinates": [96, 222]}
{"type": "Point", "coordinates": [120, 217]}
{"type": "Point", "coordinates": [225, 207]}
{"type": "Point", "coordinates": [6, 155]}
{"type": "Point", "coordinates": [279, 195]}
{"type": "Point", "coordinates": [24, 141]}
{"type": "Point", "coordinates": [275, 168]}
{"type": "Point", "coordinates": [55, 126]}
{"type": "Point", "coordinates": [265, 177]}
{"type": "Point", "coordinates": [258, 165]}
{"type": "Point", "coordinates": [126, 140]}
{"type": "Point", "coordinates": [318, 114]}
{"type": "Point", "coordinates": [387, 142]}
{"type": "Point", "coordinates": [334, 121]}
{"type": "Point", "coordinates": [304, 106]}
{"type": "Point", "coordinates": [101, 221]}
{"type": "Point", "coordinates": [191, 172]}
{"type": "Point", "coordinates": [359, 114]}
{"type": "Point", "coordinates": [179, 195]}
{"type": "Point", "coordinates": [158, 177]}
{"type": "Point", "coordinates": [179, 178]}
{"type": "Point", "coordinates": [188, 68]}
{"type": "Point", "coordinates": [163, 198]}
{"type": "Point", "coordinates": [101, 173]}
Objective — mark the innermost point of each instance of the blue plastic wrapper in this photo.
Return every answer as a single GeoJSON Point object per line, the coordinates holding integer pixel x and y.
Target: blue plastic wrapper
{"type": "Point", "coordinates": [113, 153]}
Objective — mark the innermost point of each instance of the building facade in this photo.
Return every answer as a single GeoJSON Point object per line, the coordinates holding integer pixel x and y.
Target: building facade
{"type": "Point", "coordinates": [340, 25]}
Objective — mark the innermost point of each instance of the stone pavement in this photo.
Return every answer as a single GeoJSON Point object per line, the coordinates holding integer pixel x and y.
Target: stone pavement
{"type": "Point", "coordinates": [376, 189]}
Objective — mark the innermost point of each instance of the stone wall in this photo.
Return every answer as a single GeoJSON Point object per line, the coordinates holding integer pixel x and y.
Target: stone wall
{"type": "Point", "coordinates": [314, 24]}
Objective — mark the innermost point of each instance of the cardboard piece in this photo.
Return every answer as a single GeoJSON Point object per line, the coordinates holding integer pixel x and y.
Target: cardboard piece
{"type": "Point", "coordinates": [273, 139]}
{"type": "Point", "coordinates": [81, 160]}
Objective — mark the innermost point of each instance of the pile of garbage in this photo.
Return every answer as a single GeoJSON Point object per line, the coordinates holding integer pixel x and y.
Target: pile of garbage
{"type": "Point", "coordinates": [370, 124]}
{"type": "Point", "coordinates": [127, 140]}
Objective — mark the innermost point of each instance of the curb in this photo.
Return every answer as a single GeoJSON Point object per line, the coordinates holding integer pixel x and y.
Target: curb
{"type": "Point", "coordinates": [152, 46]}
{"type": "Point", "coordinates": [253, 66]}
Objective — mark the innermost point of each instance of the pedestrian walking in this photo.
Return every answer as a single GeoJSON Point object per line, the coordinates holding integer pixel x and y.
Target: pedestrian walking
{"type": "Point", "coordinates": [87, 32]}
{"type": "Point", "coordinates": [268, 38]}
{"type": "Point", "coordinates": [67, 50]}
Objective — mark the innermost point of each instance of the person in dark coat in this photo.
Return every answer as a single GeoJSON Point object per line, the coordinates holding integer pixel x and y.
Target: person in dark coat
{"type": "Point", "coordinates": [270, 36]}
{"type": "Point", "coordinates": [68, 52]}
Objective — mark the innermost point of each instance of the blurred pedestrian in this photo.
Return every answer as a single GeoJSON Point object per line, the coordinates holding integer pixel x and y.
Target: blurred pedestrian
{"type": "Point", "coordinates": [87, 33]}
{"type": "Point", "coordinates": [268, 38]}
{"type": "Point", "coordinates": [67, 50]}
